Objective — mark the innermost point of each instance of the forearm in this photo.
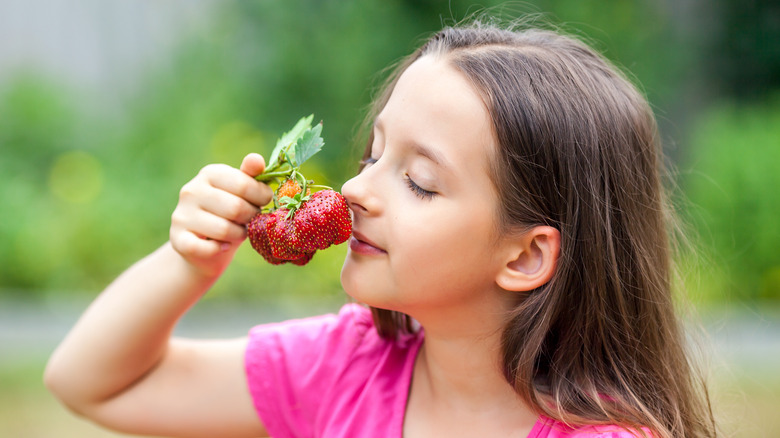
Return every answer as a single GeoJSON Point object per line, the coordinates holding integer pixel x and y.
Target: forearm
{"type": "Point", "coordinates": [126, 330]}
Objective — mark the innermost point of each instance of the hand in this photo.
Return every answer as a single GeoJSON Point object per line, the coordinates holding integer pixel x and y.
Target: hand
{"type": "Point", "coordinates": [209, 221]}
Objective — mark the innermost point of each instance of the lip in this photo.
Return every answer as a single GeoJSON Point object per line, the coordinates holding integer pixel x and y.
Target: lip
{"type": "Point", "coordinates": [359, 244]}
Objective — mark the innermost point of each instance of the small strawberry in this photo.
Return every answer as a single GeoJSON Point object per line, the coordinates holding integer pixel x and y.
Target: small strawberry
{"type": "Point", "coordinates": [288, 188]}
{"type": "Point", "coordinates": [300, 222]}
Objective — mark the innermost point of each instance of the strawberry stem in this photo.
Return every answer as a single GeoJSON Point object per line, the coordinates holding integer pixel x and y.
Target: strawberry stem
{"type": "Point", "coordinates": [301, 181]}
{"type": "Point", "coordinates": [317, 186]}
{"type": "Point", "coordinates": [291, 150]}
{"type": "Point", "coordinates": [270, 176]}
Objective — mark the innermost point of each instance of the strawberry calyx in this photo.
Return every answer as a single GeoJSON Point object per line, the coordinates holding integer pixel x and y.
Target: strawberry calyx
{"type": "Point", "coordinates": [292, 149]}
{"type": "Point", "coordinates": [293, 203]}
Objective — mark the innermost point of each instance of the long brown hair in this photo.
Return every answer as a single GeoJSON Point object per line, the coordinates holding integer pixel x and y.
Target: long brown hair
{"type": "Point", "coordinates": [579, 150]}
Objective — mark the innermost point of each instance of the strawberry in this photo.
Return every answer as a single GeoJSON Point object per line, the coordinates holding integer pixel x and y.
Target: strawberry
{"type": "Point", "coordinates": [258, 236]}
{"type": "Point", "coordinates": [321, 221]}
{"type": "Point", "coordinates": [288, 188]}
{"type": "Point", "coordinates": [303, 260]}
{"type": "Point", "coordinates": [259, 230]}
{"type": "Point", "coordinates": [300, 222]}
{"type": "Point", "coordinates": [282, 237]}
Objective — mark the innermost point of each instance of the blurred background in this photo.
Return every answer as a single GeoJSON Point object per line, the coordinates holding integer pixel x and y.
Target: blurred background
{"type": "Point", "coordinates": [108, 107]}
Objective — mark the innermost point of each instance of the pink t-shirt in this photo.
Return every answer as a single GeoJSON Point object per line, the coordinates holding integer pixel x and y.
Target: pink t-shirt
{"type": "Point", "coordinates": [334, 376]}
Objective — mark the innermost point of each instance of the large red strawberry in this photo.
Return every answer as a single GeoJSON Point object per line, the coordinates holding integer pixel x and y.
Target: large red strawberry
{"type": "Point", "coordinates": [300, 222]}
{"type": "Point", "coordinates": [317, 223]}
{"type": "Point", "coordinates": [324, 220]}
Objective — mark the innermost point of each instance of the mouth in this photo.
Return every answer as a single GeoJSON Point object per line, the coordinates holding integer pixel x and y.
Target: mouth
{"type": "Point", "coordinates": [360, 244]}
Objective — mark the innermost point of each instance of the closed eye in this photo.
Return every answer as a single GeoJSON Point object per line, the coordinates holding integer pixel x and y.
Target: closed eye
{"type": "Point", "coordinates": [419, 191]}
{"type": "Point", "coordinates": [367, 162]}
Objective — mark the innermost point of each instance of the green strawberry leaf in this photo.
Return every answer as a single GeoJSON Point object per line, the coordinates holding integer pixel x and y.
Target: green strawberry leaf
{"type": "Point", "coordinates": [285, 200]}
{"type": "Point", "coordinates": [289, 138]}
{"type": "Point", "coordinates": [307, 145]}
{"type": "Point", "coordinates": [292, 204]}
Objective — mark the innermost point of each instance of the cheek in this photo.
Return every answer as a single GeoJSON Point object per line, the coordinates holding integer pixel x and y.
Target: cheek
{"type": "Point", "coordinates": [451, 245]}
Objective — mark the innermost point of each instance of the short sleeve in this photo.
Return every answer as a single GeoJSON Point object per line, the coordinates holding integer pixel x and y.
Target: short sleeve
{"type": "Point", "coordinates": [292, 366]}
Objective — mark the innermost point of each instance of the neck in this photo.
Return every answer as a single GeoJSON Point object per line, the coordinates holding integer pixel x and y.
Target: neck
{"type": "Point", "coordinates": [461, 358]}
{"type": "Point", "coordinates": [466, 369]}
{"type": "Point", "coordinates": [458, 386]}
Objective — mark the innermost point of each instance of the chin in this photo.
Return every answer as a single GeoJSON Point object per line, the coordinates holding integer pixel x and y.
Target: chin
{"type": "Point", "coordinates": [362, 286]}
{"type": "Point", "coordinates": [348, 279]}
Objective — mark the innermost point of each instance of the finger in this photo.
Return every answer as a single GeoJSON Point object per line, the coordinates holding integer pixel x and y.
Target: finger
{"type": "Point", "coordinates": [207, 225]}
{"type": "Point", "coordinates": [191, 245]}
{"type": "Point", "coordinates": [216, 228]}
{"type": "Point", "coordinates": [242, 185]}
{"type": "Point", "coordinates": [253, 164]}
{"type": "Point", "coordinates": [227, 205]}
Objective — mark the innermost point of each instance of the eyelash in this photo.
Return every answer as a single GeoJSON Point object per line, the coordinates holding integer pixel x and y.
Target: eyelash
{"type": "Point", "coordinates": [366, 161]}
{"type": "Point", "coordinates": [419, 191]}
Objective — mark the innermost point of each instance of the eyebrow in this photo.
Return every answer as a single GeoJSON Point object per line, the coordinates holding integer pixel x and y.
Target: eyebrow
{"type": "Point", "coordinates": [430, 154]}
{"type": "Point", "coordinates": [420, 149]}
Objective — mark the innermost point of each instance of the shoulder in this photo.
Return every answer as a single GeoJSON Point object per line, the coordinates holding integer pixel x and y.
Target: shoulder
{"type": "Point", "coordinates": [549, 428]}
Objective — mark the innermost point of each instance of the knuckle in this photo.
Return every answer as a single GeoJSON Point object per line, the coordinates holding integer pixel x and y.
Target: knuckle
{"type": "Point", "coordinates": [209, 169]}
{"type": "Point", "coordinates": [176, 217]}
{"type": "Point", "coordinates": [191, 246]}
{"type": "Point", "coordinates": [180, 243]}
{"type": "Point", "coordinates": [188, 190]}
{"type": "Point", "coordinates": [243, 186]}
{"type": "Point", "coordinates": [221, 230]}
{"type": "Point", "coordinates": [234, 209]}
{"type": "Point", "coordinates": [208, 173]}
{"type": "Point", "coordinates": [266, 193]}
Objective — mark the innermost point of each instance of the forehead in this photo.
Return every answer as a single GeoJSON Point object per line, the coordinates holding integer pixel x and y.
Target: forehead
{"type": "Point", "coordinates": [434, 105]}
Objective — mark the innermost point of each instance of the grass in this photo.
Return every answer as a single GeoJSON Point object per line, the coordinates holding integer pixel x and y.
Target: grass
{"type": "Point", "coordinates": [27, 410]}
{"type": "Point", "coordinates": [746, 405]}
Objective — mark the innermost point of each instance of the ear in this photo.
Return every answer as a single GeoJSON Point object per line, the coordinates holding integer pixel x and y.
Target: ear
{"type": "Point", "coordinates": [531, 259]}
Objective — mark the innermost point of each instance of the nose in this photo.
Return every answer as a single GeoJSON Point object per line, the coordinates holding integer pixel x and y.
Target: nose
{"type": "Point", "coordinates": [357, 192]}
{"type": "Point", "coordinates": [353, 192]}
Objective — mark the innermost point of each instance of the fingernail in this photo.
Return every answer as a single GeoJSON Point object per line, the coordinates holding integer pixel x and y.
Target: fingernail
{"type": "Point", "coordinates": [224, 246]}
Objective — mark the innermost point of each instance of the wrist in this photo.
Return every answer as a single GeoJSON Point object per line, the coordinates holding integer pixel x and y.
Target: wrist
{"type": "Point", "coordinates": [202, 271]}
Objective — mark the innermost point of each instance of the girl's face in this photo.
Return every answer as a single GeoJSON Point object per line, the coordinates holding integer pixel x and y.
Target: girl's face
{"type": "Point", "coordinates": [424, 206]}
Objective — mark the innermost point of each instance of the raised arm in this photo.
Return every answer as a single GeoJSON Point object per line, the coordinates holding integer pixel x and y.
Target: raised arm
{"type": "Point", "coordinates": [119, 365]}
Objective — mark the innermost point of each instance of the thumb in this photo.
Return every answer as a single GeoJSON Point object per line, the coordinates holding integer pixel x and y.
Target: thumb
{"type": "Point", "coordinates": [253, 164]}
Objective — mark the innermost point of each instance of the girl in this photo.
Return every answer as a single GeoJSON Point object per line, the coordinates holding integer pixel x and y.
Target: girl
{"type": "Point", "coordinates": [509, 244]}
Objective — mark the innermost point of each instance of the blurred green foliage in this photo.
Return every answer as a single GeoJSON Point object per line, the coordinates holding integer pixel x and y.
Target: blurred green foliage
{"type": "Point", "coordinates": [86, 192]}
{"type": "Point", "coordinates": [734, 198]}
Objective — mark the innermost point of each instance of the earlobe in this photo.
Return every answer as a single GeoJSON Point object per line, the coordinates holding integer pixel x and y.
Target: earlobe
{"type": "Point", "coordinates": [531, 261]}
